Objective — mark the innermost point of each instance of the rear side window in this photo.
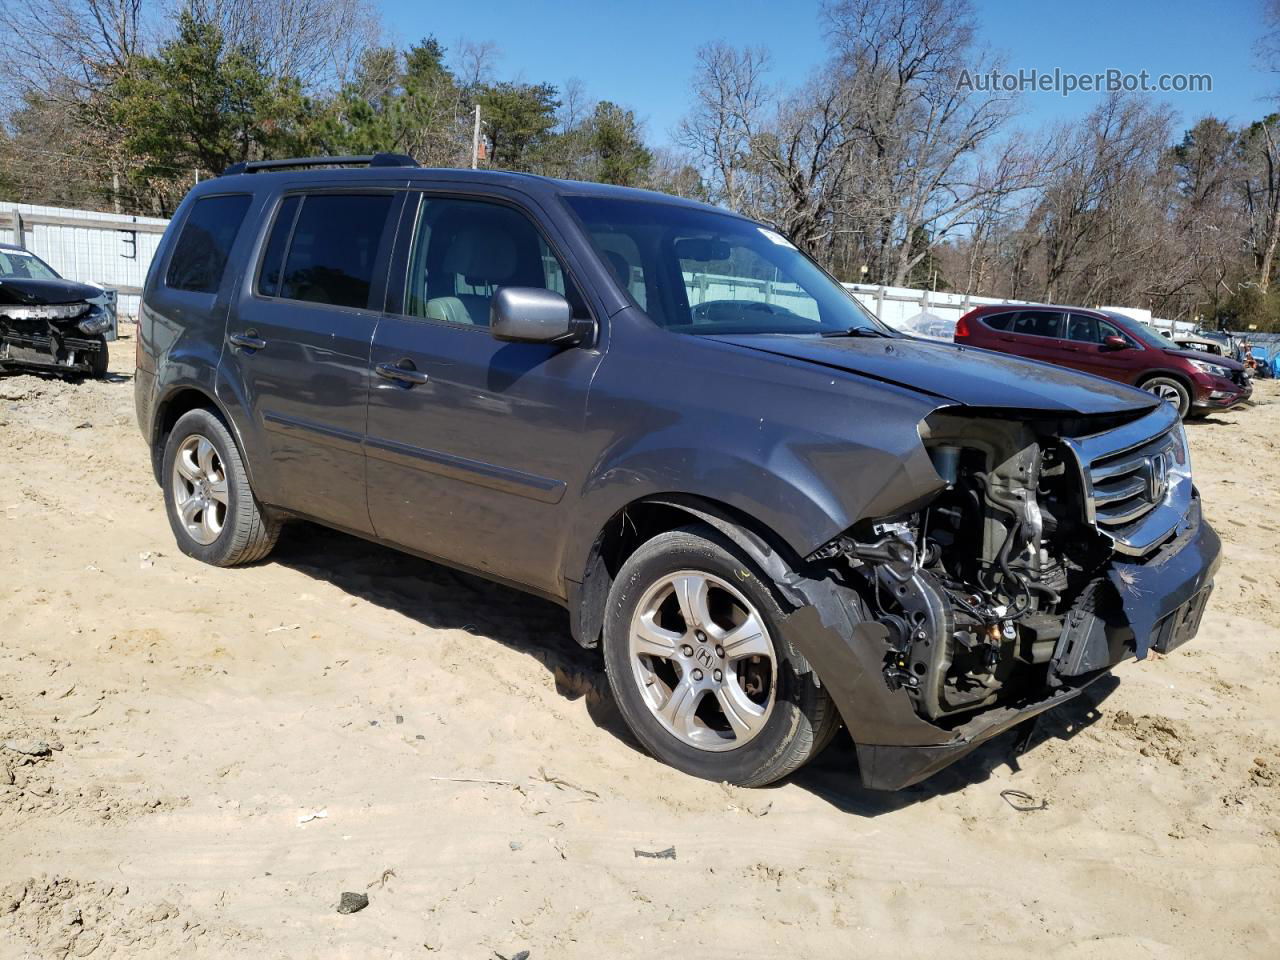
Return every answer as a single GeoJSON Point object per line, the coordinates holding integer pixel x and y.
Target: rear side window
{"type": "Point", "coordinates": [200, 256]}
{"type": "Point", "coordinates": [999, 322]}
{"type": "Point", "coordinates": [333, 248]}
{"type": "Point", "coordinates": [277, 244]}
{"type": "Point", "coordinates": [1036, 323]}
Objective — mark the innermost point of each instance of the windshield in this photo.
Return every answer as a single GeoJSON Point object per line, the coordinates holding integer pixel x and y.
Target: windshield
{"type": "Point", "coordinates": [1148, 335]}
{"type": "Point", "coordinates": [18, 264]}
{"type": "Point", "coordinates": [702, 272]}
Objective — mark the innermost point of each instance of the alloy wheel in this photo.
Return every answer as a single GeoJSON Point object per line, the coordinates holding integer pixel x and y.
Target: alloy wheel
{"type": "Point", "coordinates": [200, 489]}
{"type": "Point", "coordinates": [703, 659]}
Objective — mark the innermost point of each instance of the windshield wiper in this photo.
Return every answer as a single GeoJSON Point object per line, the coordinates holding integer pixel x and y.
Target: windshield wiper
{"type": "Point", "coordinates": [856, 332]}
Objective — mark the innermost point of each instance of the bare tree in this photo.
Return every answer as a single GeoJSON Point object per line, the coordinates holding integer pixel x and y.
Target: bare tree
{"type": "Point", "coordinates": [1261, 191]}
{"type": "Point", "coordinates": [730, 104]}
{"type": "Point", "coordinates": [318, 42]}
{"type": "Point", "coordinates": [474, 62]}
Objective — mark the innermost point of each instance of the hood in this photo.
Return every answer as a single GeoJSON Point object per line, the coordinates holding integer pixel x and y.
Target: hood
{"type": "Point", "coordinates": [966, 375]}
{"type": "Point", "coordinates": [28, 292]}
{"type": "Point", "coordinates": [1215, 358]}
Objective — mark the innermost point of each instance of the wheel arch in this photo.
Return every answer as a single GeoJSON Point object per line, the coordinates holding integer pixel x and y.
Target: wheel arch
{"type": "Point", "coordinates": [643, 519]}
{"type": "Point", "coordinates": [1178, 375]}
{"type": "Point", "coordinates": [170, 408]}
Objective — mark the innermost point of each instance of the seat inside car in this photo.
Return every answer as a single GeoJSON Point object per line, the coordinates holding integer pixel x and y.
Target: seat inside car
{"type": "Point", "coordinates": [470, 256]}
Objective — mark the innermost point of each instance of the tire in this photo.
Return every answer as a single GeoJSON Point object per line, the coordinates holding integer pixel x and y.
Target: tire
{"type": "Point", "coordinates": [100, 360]}
{"type": "Point", "coordinates": [678, 698]}
{"type": "Point", "coordinates": [201, 462]}
{"type": "Point", "coordinates": [1171, 390]}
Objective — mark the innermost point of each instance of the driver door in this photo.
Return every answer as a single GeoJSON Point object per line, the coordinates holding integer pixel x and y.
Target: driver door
{"type": "Point", "coordinates": [472, 443]}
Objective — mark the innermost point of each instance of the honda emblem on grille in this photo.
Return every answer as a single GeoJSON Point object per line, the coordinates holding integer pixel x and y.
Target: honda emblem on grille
{"type": "Point", "coordinates": [1157, 471]}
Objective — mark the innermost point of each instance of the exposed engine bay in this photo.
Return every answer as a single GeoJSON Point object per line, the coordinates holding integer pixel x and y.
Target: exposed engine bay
{"type": "Point", "coordinates": [1024, 571]}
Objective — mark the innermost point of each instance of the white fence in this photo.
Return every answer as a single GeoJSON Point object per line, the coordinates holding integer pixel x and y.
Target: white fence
{"type": "Point", "coordinates": [927, 313]}
{"type": "Point", "coordinates": [105, 249]}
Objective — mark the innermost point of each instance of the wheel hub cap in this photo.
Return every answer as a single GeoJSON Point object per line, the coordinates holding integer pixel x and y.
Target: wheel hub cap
{"type": "Point", "coordinates": [703, 660]}
{"type": "Point", "coordinates": [200, 489]}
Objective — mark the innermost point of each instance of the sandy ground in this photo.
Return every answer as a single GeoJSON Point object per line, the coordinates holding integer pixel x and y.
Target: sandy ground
{"type": "Point", "coordinates": [231, 750]}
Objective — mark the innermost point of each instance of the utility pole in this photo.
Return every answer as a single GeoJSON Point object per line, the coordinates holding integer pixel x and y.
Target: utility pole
{"type": "Point", "coordinates": [475, 141]}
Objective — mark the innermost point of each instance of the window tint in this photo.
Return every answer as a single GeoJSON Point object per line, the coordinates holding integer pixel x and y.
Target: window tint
{"type": "Point", "coordinates": [1082, 329]}
{"type": "Point", "coordinates": [200, 255]}
{"type": "Point", "coordinates": [1036, 323]}
{"type": "Point", "coordinates": [464, 250]}
{"type": "Point", "coordinates": [277, 243]}
{"type": "Point", "coordinates": [334, 246]}
{"type": "Point", "coordinates": [998, 322]}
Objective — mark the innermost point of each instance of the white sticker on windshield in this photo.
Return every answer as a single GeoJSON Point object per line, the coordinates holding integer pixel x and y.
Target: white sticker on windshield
{"type": "Point", "coordinates": [777, 238]}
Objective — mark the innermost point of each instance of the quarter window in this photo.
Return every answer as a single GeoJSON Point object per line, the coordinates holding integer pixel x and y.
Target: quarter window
{"type": "Point", "coordinates": [333, 248]}
{"type": "Point", "coordinates": [464, 250]}
{"type": "Point", "coordinates": [200, 255]}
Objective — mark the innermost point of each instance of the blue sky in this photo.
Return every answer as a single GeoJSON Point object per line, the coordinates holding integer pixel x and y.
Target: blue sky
{"type": "Point", "coordinates": [641, 54]}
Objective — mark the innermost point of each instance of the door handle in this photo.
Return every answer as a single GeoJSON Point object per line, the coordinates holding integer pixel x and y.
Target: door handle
{"type": "Point", "coordinates": [249, 340]}
{"type": "Point", "coordinates": [401, 372]}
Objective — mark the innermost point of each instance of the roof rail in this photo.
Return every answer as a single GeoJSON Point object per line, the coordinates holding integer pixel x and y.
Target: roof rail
{"type": "Point", "coordinates": [367, 160]}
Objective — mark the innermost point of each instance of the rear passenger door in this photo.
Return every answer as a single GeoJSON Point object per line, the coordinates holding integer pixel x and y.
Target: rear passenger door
{"type": "Point", "coordinates": [473, 442]}
{"type": "Point", "coordinates": [1034, 334]}
{"type": "Point", "coordinates": [298, 343]}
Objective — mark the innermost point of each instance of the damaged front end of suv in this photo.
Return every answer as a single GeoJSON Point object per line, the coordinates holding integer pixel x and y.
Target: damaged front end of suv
{"type": "Point", "coordinates": [53, 325]}
{"type": "Point", "coordinates": [1052, 549]}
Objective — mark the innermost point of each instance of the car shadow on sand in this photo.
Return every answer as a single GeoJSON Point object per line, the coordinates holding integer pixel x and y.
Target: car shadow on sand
{"type": "Point", "coordinates": [441, 598]}
{"type": "Point", "coordinates": [445, 599]}
{"type": "Point", "coordinates": [833, 776]}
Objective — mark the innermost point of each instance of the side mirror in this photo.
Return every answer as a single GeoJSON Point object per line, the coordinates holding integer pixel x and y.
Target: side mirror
{"type": "Point", "coordinates": [532, 315]}
{"type": "Point", "coordinates": [1115, 343]}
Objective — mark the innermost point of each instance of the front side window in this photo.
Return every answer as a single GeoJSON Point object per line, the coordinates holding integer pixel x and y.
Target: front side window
{"type": "Point", "coordinates": [1082, 329]}
{"type": "Point", "coordinates": [702, 272]}
{"type": "Point", "coordinates": [464, 250]}
{"type": "Point", "coordinates": [332, 249]}
{"type": "Point", "coordinates": [200, 255]}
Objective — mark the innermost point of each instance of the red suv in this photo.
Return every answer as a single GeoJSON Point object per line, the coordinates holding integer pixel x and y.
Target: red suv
{"type": "Point", "coordinates": [1110, 345]}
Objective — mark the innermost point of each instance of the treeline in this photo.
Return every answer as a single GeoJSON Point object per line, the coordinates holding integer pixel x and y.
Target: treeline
{"type": "Point", "coordinates": [882, 164]}
{"type": "Point", "coordinates": [116, 105]}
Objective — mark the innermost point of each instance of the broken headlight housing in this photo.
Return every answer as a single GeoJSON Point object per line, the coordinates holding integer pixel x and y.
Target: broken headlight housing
{"type": "Point", "coordinates": [98, 321]}
{"type": "Point", "coordinates": [46, 311]}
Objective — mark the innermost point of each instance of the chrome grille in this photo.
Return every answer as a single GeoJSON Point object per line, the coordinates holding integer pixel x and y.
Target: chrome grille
{"type": "Point", "coordinates": [1136, 479]}
{"type": "Point", "coordinates": [1129, 485]}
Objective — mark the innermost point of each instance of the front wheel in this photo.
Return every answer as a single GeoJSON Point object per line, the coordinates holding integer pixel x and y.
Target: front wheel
{"type": "Point", "coordinates": [1171, 392]}
{"type": "Point", "coordinates": [697, 654]}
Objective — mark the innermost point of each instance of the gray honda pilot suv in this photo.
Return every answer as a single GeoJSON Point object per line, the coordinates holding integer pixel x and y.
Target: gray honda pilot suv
{"type": "Point", "coordinates": [774, 515]}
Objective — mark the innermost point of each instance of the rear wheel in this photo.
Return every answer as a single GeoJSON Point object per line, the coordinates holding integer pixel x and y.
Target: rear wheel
{"type": "Point", "coordinates": [698, 659]}
{"type": "Point", "coordinates": [1171, 392]}
{"type": "Point", "coordinates": [212, 510]}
